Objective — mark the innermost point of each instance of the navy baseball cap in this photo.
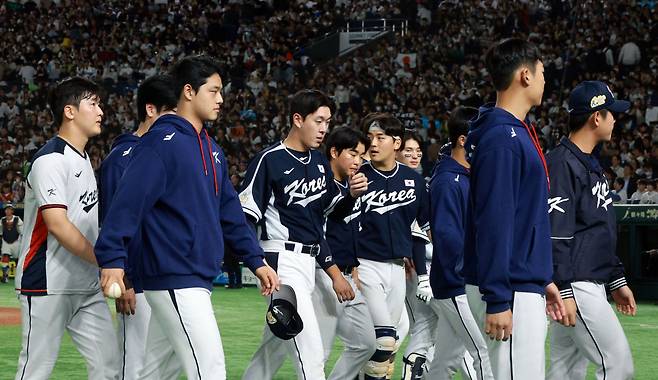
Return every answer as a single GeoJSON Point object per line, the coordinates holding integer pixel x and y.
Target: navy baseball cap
{"type": "Point", "coordinates": [591, 96]}
{"type": "Point", "coordinates": [282, 317]}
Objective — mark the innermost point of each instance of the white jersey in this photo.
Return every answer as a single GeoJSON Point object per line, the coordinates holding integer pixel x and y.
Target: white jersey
{"type": "Point", "coordinates": [60, 177]}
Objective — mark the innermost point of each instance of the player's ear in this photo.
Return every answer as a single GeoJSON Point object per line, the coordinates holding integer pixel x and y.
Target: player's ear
{"type": "Point", "coordinates": [525, 76]}
{"type": "Point", "coordinates": [188, 92]}
{"type": "Point", "coordinates": [397, 142]}
{"type": "Point", "coordinates": [333, 152]}
{"type": "Point", "coordinates": [297, 120]}
{"type": "Point", "coordinates": [69, 111]}
{"type": "Point", "coordinates": [461, 141]}
{"type": "Point", "coordinates": [151, 111]}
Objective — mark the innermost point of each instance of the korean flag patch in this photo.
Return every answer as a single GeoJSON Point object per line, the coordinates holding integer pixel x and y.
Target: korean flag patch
{"type": "Point", "coordinates": [409, 182]}
{"type": "Point", "coordinates": [321, 169]}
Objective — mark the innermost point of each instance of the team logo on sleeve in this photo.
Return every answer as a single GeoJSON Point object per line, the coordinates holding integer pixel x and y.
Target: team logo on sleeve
{"type": "Point", "coordinates": [51, 192]}
{"type": "Point", "coordinates": [554, 204]}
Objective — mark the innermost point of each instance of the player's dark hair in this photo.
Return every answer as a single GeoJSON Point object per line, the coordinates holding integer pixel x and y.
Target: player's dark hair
{"type": "Point", "coordinates": [506, 56]}
{"type": "Point", "coordinates": [367, 120]}
{"type": "Point", "coordinates": [576, 122]}
{"type": "Point", "coordinates": [195, 71]}
{"type": "Point", "coordinates": [306, 102]}
{"type": "Point", "coordinates": [70, 92]}
{"type": "Point", "coordinates": [343, 138]}
{"type": "Point", "coordinates": [390, 124]}
{"type": "Point", "coordinates": [410, 135]}
{"type": "Point", "coordinates": [158, 91]}
{"type": "Point", "coordinates": [458, 122]}
{"type": "Point", "coordinates": [642, 181]}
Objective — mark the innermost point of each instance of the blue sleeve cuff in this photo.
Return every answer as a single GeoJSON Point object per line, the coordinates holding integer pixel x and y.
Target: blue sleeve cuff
{"type": "Point", "coordinates": [254, 262]}
{"type": "Point", "coordinates": [119, 262]}
{"type": "Point", "coordinates": [497, 307]}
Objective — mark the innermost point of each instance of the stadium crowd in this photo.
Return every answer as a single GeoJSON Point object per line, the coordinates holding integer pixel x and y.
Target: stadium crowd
{"type": "Point", "coordinates": [261, 47]}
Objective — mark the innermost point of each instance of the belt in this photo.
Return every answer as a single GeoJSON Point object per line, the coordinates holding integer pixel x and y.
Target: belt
{"type": "Point", "coordinates": [291, 246]}
{"type": "Point", "coordinates": [399, 262]}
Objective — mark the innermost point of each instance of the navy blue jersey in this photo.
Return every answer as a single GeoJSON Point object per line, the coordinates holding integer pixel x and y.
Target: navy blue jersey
{"type": "Point", "coordinates": [583, 222]}
{"type": "Point", "coordinates": [112, 169]}
{"type": "Point", "coordinates": [342, 236]}
{"type": "Point", "coordinates": [386, 212]}
{"type": "Point", "coordinates": [449, 193]}
{"type": "Point", "coordinates": [289, 194]}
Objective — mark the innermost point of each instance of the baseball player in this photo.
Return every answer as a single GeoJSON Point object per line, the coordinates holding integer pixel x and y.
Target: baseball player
{"type": "Point", "coordinates": [351, 320]}
{"type": "Point", "coordinates": [57, 275]}
{"type": "Point", "coordinates": [288, 192]}
{"type": "Point", "coordinates": [418, 316]}
{"type": "Point", "coordinates": [12, 229]}
{"type": "Point", "coordinates": [511, 258]}
{"type": "Point", "coordinates": [177, 193]}
{"type": "Point", "coordinates": [584, 234]}
{"type": "Point", "coordinates": [155, 97]}
{"type": "Point", "coordinates": [387, 210]}
{"type": "Point", "coordinates": [456, 329]}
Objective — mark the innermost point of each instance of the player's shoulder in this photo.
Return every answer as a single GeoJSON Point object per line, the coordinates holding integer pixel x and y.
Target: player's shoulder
{"type": "Point", "coordinates": [409, 173]}
{"type": "Point", "coordinates": [273, 153]}
{"type": "Point", "coordinates": [53, 150]}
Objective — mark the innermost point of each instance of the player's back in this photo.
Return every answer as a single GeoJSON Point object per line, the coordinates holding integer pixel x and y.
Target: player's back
{"type": "Point", "coordinates": [60, 177]}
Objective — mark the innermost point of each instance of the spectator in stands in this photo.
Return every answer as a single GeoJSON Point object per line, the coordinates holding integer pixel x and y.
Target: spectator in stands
{"type": "Point", "coordinates": [641, 189]}
{"type": "Point", "coordinates": [618, 193]}
{"type": "Point", "coordinates": [650, 196]}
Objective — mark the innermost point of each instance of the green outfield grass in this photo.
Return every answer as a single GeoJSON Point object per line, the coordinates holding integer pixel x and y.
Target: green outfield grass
{"type": "Point", "coordinates": [241, 316]}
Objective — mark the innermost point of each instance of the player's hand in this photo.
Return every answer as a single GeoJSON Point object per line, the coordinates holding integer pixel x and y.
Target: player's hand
{"type": "Point", "coordinates": [499, 326]}
{"type": "Point", "coordinates": [424, 291]}
{"type": "Point", "coordinates": [127, 303]}
{"type": "Point", "coordinates": [110, 276]}
{"type": "Point", "coordinates": [554, 304]}
{"type": "Point", "coordinates": [355, 278]}
{"type": "Point", "coordinates": [571, 309]}
{"type": "Point", "coordinates": [343, 289]}
{"type": "Point", "coordinates": [409, 268]}
{"type": "Point", "coordinates": [269, 280]}
{"type": "Point", "coordinates": [358, 185]}
{"type": "Point", "coordinates": [625, 300]}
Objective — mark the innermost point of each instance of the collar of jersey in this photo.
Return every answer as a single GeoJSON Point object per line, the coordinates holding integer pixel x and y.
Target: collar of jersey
{"type": "Point", "coordinates": [397, 167]}
{"type": "Point", "coordinates": [304, 160]}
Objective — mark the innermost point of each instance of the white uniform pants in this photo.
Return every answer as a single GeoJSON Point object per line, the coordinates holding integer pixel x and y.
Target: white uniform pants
{"type": "Point", "coordinates": [88, 320]}
{"type": "Point", "coordinates": [351, 321]}
{"type": "Point", "coordinates": [383, 285]}
{"type": "Point", "coordinates": [306, 351]}
{"type": "Point", "coordinates": [456, 332]}
{"type": "Point", "coordinates": [597, 337]}
{"type": "Point", "coordinates": [132, 331]}
{"type": "Point", "coordinates": [183, 324]}
{"type": "Point", "coordinates": [522, 356]}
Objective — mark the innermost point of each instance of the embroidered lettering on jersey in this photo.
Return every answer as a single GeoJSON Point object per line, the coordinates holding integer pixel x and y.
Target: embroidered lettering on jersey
{"type": "Point", "coordinates": [382, 202]}
{"type": "Point", "coordinates": [601, 191]}
{"type": "Point", "coordinates": [299, 189]}
{"type": "Point", "coordinates": [554, 204]}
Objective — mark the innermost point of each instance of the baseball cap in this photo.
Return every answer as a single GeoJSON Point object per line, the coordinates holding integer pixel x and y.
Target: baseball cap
{"type": "Point", "coordinates": [282, 317]}
{"type": "Point", "coordinates": [591, 96]}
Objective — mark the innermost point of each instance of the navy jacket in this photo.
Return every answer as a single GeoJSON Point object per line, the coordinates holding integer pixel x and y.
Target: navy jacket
{"type": "Point", "coordinates": [510, 226]}
{"type": "Point", "coordinates": [583, 221]}
{"type": "Point", "coordinates": [111, 172]}
{"type": "Point", "coordinates": [393, 202]}
{"type": "Point", "coordinates": [177, 189]}
{"type": "Point", "coordinates": [449, 192]}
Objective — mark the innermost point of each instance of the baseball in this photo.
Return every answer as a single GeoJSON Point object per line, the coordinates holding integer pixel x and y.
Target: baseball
{"type": "Point", "coordinates": [114, 291]}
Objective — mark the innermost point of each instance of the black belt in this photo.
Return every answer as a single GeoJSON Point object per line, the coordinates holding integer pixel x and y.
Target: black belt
{"type": "Point", "coordinates": [307, 249]}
